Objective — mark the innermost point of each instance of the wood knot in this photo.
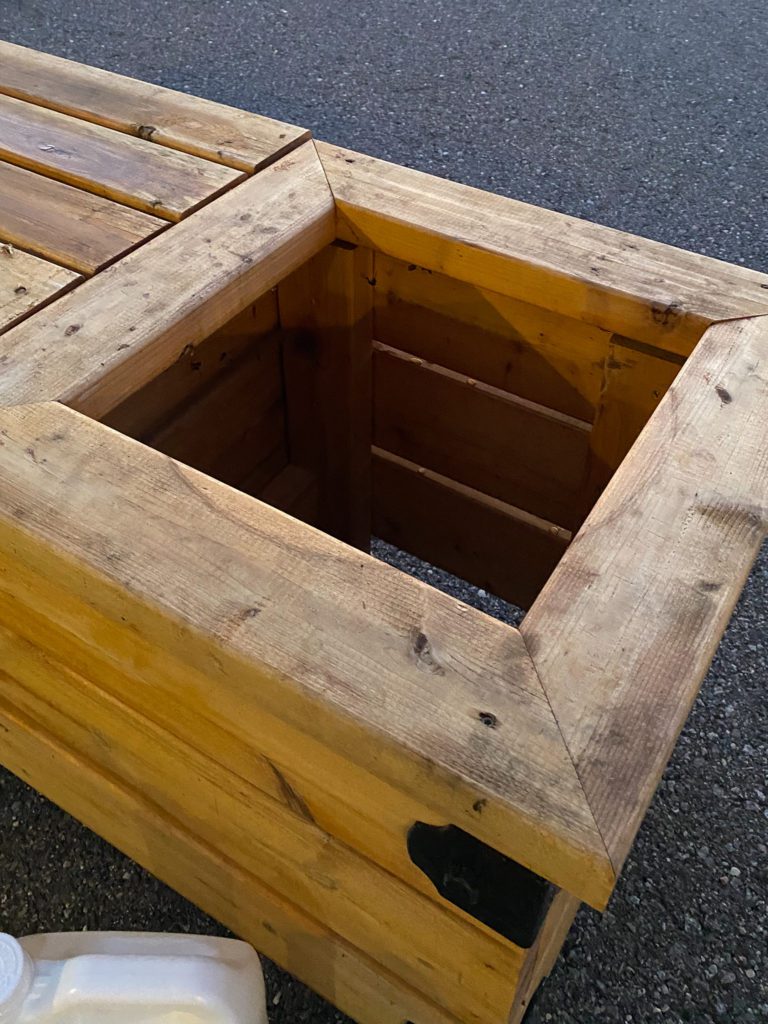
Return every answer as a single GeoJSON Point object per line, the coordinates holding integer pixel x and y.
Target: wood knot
{"type": "Point", "coordinates": [665, 315]}
{"type": "Point", "coordinates": [424, 657]}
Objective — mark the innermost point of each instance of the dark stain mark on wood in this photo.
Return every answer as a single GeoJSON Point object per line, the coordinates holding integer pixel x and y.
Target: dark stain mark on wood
{"type": "Point", "coordinates": [666, 315]}
{"type": "Point", "coordinates": [293, 799]}
{"type": "Point", "coordinates": [72, 329]}
{"type": "Point", "coordinates": [723, 394]}
{"type": "Point", "coordinates": [422, 648]}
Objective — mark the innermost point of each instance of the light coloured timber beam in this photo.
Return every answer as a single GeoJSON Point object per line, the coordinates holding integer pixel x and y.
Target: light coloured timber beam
{"type": "Point", "coordinates": [223, 134]}
{"type": "Point", "coordinates": [247, 621]}
{"type": "Point", "coordinates": [625, 629]}
{"type": "Point", "coordinates": [121, 328]}
{"type": "Point", "coordinates": [143, 831]}
{"type": "Point", "coordinates": [638, 288]}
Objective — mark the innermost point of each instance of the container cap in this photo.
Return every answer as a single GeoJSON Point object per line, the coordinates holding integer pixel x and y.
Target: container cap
{"type": "Point", "coordinates": [15, 977]}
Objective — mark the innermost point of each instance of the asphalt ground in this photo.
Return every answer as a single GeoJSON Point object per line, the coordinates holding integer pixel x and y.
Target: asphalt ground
{"type": "Point", "coordinates": [647, 115]}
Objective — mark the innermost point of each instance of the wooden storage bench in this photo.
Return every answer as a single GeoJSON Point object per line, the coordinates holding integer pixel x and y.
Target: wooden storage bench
{"type": "Point", "coordinates": [228, 356]}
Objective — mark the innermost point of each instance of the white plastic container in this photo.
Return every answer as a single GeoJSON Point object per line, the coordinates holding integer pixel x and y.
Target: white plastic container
{"type": "Point", "coordinates": [129, 978]}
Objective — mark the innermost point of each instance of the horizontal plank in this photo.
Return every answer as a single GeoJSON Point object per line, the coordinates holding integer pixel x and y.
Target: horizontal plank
{"type": "Point", "coordinates": [482, 540]}
{"type": "Point", "coordinates": [317, 956]}
{"type": "Point", "coordinates": [635, 379]}
{"type": "Point", "coordinates": [513, 345]}
{"type": "Point", "coordinates": [196, 368]}
{"type": "Point", "coordinates": [66, 225]}
{"type": "Point", "coordinates": [234, 429]}
{"type": "Point", "coordinates": [26, 283]}
{"type": "Point", "coordinates": [436, 951]}
{"type": "Point", "coordinates": [330, 792]}
{"type": "Point", "coordinates": [160, 181]}
{"type": "Point", "coordinates": [282, 637]}
{"type": "Point", "coordinates": [206, 129]}
{"type": "Point", "coordinates": [624, 284]}
{"type": "Point", "coordinates": [126, 325]}
{"type": "Point", "coordinates": [624, 631]}
{"type": "Point", "coordinates": [526, 455]}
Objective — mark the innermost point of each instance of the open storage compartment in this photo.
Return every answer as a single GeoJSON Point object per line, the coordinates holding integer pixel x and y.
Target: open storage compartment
{"type": "Point", "coordinates": [366, 394]}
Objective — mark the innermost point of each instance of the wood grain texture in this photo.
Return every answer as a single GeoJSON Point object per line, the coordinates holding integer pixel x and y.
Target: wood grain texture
{"type": "Point", "coordinates": [62, 626]}
{"type": "Point", "coordinates": [327, 326]}
{"type": "Point", "coordinates": [195, 370]}
{"type": "Point", "coordinates": [293, 634]}
{"type": "Point", "coordinates": [132, 171]}
{"type": "Point", "coordinates": [623, 633]}
{"type": "Point", "coordinates": [206, 129]}
{"type": "Point", "coordinates": [274, 925]}
{"type": "Point", "coordinates": [125, 326]}
{"type": "Point", "coordinates": [415, 937]}
{"type": "Point", "coordinates": [635, 287]}
{"type": "Point", "coordinates": [543, 955]}
{"type": "Point", "coordinates": [539, 355]}
{"type": "Point", "coordinates": [482, 540]}
{"type": "Point", "coordinates": [26, 283]}
{"type": "Point", "coordinates": [635, 378]}
{"type": "Point", "coordinates": [234, 429]}
{"type": "Point", "coordinates": [66, 225]}
{"type": "Point", "coordinates": [522, 453]}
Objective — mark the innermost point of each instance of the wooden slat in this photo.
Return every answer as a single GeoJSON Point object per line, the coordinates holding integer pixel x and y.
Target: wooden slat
{"type": "Point", "coordinates": [326, 317]}
{"type": "Point", "coordinates": [108, 163]}
{"type": "Point", "coordinates": [125, 326]}
{"type": "Point", "coordinates": [493, 545]}
{"type": "Point", "coordinates": [624, 631]}
{"type": "Point", "coordinates": [27, 282]}
{"type": "Point", "coordinates": [635, 378]}
{"type": "Point", "coordinates": [242, 619]}
{"type": "Point", "coordinates": [530, 351]}
{"type": "Point", "coordinates": [375, 829]}
{"type": "Point", "coordinates": [504, 446]}
{"type": "Point", "coordinates": [146, 411]}
{"type": "Point", "coordinates": [74, 228]}
{"type": "Point", "coordinates": [223, 134]}
{"type": "Point", "coordinates": [625, 284]}
{"type": "Point", "coordinates": [409, 934]}
{"type": "Point", "coordinates": [235, 429]}
{"type": "Point", "coordinates": [321, 959]}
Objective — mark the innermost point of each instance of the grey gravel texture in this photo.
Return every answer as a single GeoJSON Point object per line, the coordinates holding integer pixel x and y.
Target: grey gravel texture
{"type": "Point", "coordinates": [646, 115]}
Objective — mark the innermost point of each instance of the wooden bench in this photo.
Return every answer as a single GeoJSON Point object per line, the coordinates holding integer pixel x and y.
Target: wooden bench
{"type": "Point", "coordinates": [227, 354]}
